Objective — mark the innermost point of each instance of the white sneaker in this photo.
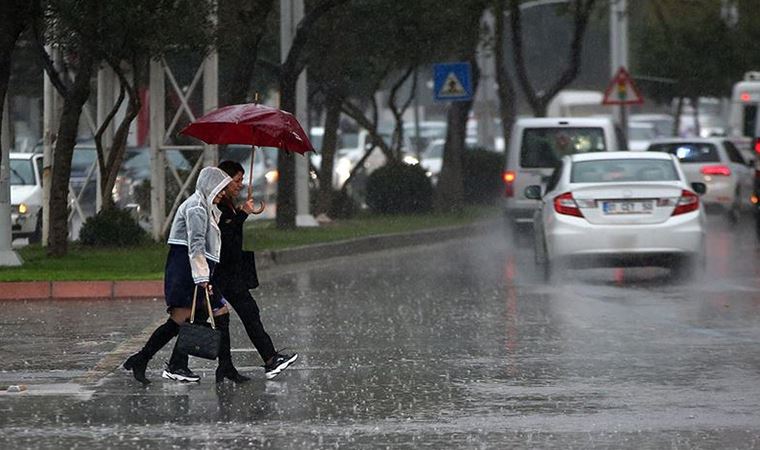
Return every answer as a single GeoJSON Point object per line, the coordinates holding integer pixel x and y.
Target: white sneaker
{"type": "Point", "coordinates": [280, 362]}
{"type": "Point", "coordinates": [181, 374]}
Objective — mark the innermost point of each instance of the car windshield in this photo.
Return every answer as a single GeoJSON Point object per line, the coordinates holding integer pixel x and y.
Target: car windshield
{"type": "Point", "coordinates": [689, 152]}
{"type": "Point", "coordinates": [623, 170]}
{"type": "Point", "coordinates": [641, 133]}
{"type": "Point", "coordinates": [544, 147]}
{"type": "Point", "coordinates": [22, 172]}
{"type": "Point", "coordinates": [434, 151]}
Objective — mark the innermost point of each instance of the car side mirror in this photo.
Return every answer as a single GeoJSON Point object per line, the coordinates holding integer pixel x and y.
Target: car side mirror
{"type": "Point", "coordinates": [699, 188]}
{"type": "Point", "coordinates": [533, 192]}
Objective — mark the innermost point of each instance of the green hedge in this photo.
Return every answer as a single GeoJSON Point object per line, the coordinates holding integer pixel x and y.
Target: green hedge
{"type": "Point", "coordinates": [112, 227]}
{"type": "Point", "coordinates": [399, 188]}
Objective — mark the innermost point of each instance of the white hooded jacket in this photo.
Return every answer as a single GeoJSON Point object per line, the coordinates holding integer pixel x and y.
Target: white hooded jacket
{"type": "Point", "coordinates": [195, 224]}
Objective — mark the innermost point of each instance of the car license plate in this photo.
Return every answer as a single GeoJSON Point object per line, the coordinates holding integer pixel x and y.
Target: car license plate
{"type": "Point", "coordinates": [628, 207]}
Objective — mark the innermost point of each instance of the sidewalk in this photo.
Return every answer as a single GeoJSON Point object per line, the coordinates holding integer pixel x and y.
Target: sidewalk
{"type": "Point", "coordinates": [114, 290]}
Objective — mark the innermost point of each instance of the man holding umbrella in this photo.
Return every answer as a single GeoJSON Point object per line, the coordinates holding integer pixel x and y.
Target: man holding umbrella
{"type": "Point", "coordinates": [235, 275]}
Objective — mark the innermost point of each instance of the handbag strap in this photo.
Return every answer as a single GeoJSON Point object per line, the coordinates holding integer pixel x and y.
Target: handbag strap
{"type": "Point", "coordinates": [192, 311]}
{"type": "Point", "coordinates": [208, 305]}
{"type": "Point", "coordinates": [210, 311]}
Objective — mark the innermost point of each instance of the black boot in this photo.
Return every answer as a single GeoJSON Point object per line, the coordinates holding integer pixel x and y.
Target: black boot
{"type": "Point", "coordinates": [226, 369]}
{"type": "Point", "coordinates": [138, 362]}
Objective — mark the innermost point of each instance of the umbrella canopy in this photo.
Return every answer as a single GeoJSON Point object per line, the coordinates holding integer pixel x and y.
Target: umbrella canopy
{"type": "Point", "coordinates": [251, 124]}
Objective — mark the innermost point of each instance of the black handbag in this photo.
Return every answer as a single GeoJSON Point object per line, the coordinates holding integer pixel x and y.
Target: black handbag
{"type": "Point", "coordinates": [199, 339]}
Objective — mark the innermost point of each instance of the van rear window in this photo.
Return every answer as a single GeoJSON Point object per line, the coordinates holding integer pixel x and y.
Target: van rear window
{"type": "Point", "coordinates": [545, 147]}
{"type": "Point", "coordinates": [689, 152]}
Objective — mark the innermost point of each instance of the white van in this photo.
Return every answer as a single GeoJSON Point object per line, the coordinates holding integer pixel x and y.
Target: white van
{"type": "Point", "coordinates": [577, 103]}
{"type": "Point", "coordinates": [538, 144]}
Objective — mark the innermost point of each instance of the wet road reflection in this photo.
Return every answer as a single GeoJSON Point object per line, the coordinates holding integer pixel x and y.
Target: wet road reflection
{"type": "Point", "coordinates": [447, 346]}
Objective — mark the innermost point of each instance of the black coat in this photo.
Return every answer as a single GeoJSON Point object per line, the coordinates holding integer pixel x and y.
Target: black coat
{"type": "Point", "coordinates": [236, 270]}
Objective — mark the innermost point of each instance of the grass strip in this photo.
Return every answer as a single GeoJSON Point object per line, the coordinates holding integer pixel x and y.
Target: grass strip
{"type": "Point", "coordinates": [146, 262]}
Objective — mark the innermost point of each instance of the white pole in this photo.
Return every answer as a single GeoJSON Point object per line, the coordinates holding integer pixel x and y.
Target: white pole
{"type": "Point", "coordinates": [619, 45]}
{"type": "Point", "coordinates": [157, 157]}
{"type": "Point", "coordinates": [8, 257]}
{"type": "Point", "coordinates": [291, 13]}
{"type": "Point", "coordinates": [211, 94]}
{"type": "Point", "coordinates": [484, 96]}
{"type": "Point", "coordinates": [211, 102]}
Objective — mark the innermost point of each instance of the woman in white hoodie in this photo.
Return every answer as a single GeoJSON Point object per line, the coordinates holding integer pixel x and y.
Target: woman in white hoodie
{"type": "Point", "coordinates": [194, 248]}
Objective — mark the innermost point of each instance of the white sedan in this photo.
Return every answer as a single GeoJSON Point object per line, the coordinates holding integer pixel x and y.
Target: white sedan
{"type": "Point", "coordinates": [613, 209]}
{"type": "Point", "coordinates": [26, 196]}
{"type": "Point", "coordinates": [720, 165]}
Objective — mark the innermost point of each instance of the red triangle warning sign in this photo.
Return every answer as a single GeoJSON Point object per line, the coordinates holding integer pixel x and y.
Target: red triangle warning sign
{"type": "Point", "coordinates": [621, 90]}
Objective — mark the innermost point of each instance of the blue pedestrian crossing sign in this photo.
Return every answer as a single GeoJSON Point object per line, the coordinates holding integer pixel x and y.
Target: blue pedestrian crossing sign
{"type": "Point", "coordinates": [452, 81]}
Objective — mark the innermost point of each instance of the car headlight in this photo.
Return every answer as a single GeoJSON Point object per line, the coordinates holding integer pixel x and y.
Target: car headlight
{"type": "Point", "coordinates": [272, 176]}
{"type": "Point", "coordinates": [411, 160]}
{"type": "Point", "coordinates": [23, 208]}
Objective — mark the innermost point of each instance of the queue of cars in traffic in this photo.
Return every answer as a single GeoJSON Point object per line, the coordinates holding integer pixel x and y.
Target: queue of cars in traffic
{"type": "Point", "coordinates": [591, 202]}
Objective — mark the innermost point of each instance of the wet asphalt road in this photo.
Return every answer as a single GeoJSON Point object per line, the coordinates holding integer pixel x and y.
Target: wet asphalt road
{"type": "Point", "coordinates": [453, 345]}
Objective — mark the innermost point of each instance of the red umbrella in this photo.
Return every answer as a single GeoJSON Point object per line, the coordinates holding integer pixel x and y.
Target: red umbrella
{"type": "Point", "coordinates": [251, 124]}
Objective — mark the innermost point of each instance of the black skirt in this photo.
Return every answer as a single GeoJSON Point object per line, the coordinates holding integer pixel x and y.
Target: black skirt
{"type": "Point", "coordinates": [178, 281]}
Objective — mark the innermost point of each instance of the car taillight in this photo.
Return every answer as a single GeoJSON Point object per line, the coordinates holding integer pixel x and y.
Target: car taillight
{"type": "Point", "coordinates": [509, 182]}
{"type": "Point", "coordinates": [757, 146]}
{"type": "Point", "coordinates": [688, 202]}
{"type": "Point", "coordinates": [565, 204]}
{"type": "Point", "coordinates": [716, 170]}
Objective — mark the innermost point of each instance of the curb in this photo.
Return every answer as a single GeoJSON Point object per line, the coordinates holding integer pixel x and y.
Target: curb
{"type": "Point", "coordinates": [119, 290]}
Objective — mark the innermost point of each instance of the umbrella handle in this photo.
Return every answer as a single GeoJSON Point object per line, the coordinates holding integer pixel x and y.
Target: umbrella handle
{"type": "Point", "coordinates": [250, 173]}
{"type": "Point", "coordinates": [261, 208]}
{"type": "Point", "coordinates": [250, 181]}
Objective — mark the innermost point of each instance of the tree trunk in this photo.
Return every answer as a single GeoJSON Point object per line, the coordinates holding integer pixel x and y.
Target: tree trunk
{"type": "Point", "coordinates": [14, 16]}
{"type": "Point", "coordinates": [677, 121]}
{"type": "Point", "coordinates": [506, 87]}
{"type": "Point", "coordinates": [449, 192]}
{"type": "Point", "coordinates": [539, 101]}
{"type": "Point", "coordinates": [254, 14]}
{"type": "Point", "coordinates": [110, 169]}
{"type": "Point", "coordinates": [329, 144]}
{"type": "Point", "coordinates": [286, 163]}
{"type": "Point", "coordinates": [64, 149]}
{"type": "Point", "coordinates": [695, 110]}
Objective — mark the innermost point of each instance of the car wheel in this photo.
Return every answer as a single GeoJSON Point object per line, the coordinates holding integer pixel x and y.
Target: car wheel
{"type": "Point", "coordinates": [543, 264]}
{"type": "Point", "coordinates": [687, 269]}
{"type": "Point", "coordinates": [36, 237]}
{"type": "Point", "coordinates": [734, 213]}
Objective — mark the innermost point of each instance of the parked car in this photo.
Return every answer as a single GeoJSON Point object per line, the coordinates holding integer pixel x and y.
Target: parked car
{"type": "Point", "coordinates": [265, 172]}
{"type": "Point", "coordinates": [432, 157]}
{"type": "Point", "coordinates": [136, 170]}
{"type": "Point", "coordinates": [717, 163]}
{"type": "Point", "coordinates": [663, 123]}
{"type": "Point", "coordinates": [619, 209]}
{"type": "Point", "coordinates": [537, 145]}
{"type": "Point", "coordinates": [26, 196]}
